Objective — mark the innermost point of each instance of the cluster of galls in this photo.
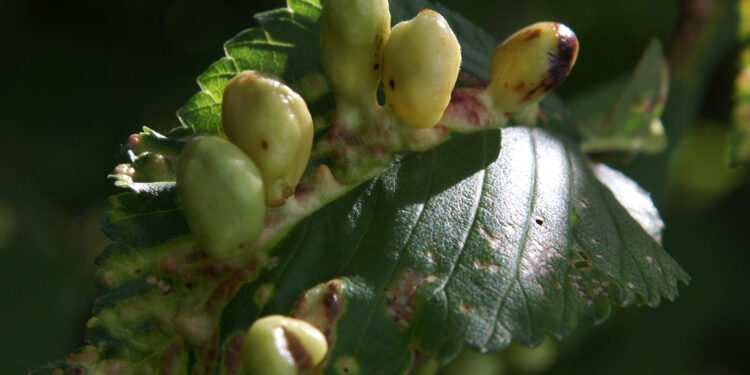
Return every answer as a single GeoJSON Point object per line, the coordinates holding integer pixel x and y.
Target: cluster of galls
{"type": "Point", "coordinates": [224, 187]}
{"type": "Point", "coordinates": [225, 184]}
{"type": "Point", "coordinates": [269, 129]}
{"type": "Point", "coordinates": [417, 61]}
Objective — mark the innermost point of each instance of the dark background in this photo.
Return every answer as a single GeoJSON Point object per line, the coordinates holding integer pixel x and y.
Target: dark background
{"type": "Point", "coordinates": [78, 77]}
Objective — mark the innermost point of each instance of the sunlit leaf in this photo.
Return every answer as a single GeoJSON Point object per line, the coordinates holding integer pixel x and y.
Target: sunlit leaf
{"type": "Point", "coordinates": [486, 247]}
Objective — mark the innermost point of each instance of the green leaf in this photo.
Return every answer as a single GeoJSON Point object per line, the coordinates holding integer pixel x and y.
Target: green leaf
{"type": "Point", "coordinates": [285, 44]}
{"type": "Point", "coordinates": [633, 122]}
{"type": "Point", "coordinates": [478, 241]}
{"type": "Point", "coordinates": [486, 247]}
{"type": "Point", "coordinates": [147, 217]}
{"type": "Point", "coordinates": [631, 196]}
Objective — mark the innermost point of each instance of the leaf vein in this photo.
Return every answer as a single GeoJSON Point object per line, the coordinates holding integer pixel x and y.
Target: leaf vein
{"type": "Point", "coordinates": [623, 247]}
{"type": "Point", "coordinates": [376, 187]}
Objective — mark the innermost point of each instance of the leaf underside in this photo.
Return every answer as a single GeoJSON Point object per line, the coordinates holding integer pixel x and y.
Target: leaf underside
{"type": "Point", "coordinates": [491, 237]}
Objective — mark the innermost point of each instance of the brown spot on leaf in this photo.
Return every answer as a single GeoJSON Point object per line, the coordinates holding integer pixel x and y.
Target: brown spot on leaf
{"type": "Point", "coordinates": [480, 265]}
{"type": "Point", "coordinates": [582, 262]}
{"type": "Point", "coordinates": [206, 354]}
{"type": "Point", "coordinates": [286, 190]}
{"type": "Point", "coordinates": [188, 266]}
{"type": "Point", "coordinates": [399, 306]}
{"type": "Point", "coordinates": [465, 307]}
{"type": "Point", "coordinates": [376, 66]}
{"type": "Point", "coordinates": [600, 288]}
{"type": "Point", "coordinates": [494, 240]}
{"type": "Point", "coordinates": [465, 105]}
{"type": "Point", "coordinates": [233, 355]}
{"type": "Point", "coordinates": [303, 190]}
{"type": "Point", "coordinates": [226, 290]}
{"type": "Point", "coordinates": [584, 202]}
{"type": "Point", "coordinates": [171, 359]}
{"type": "Point", "coordinates": [520, 86]}
{"type": "Point", "coordinates": [581, 288]}
{"type": "Point", "coordinates": [392, 84]}
{"type": "Point", "coordinates": [264, 145]}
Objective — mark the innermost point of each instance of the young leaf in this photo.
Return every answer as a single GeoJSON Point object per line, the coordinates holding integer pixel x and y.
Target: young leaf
{"type": "Point", "coordinates": [632, 123]}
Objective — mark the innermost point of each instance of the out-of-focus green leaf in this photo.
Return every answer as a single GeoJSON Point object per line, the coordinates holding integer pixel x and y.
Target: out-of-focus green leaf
{"type": "Point", "coordinates": [633, 122]}
{"type": "Point", "coordinates": [703, 37]}
{"type": "Point", "coordinates": [739, 147]}
{"type": "Point", "coordinates": [698, 173]}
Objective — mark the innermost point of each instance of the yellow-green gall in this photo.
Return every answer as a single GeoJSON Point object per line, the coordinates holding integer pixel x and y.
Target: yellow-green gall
{"type": "Point", "coordinates": [352, 36]}
{"type": "Point", "coordinates": [221, 193]}
{"type": "Point", "coordinates": [280, 345]}
{"type": "Point", "coordinates": [271, 123]}
{"type": "Point", "coordinates": [420, 68]}
{"type": "Point", "coordinates": [531, 63]}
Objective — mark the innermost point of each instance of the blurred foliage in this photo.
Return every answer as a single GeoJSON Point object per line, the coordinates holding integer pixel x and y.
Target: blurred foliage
{"type": "Point", "coordinates": [76, 78]}
{"type": "Point", "coordinates": [699, 175]}
{"type": "Point", "coordinates": [739, 152]}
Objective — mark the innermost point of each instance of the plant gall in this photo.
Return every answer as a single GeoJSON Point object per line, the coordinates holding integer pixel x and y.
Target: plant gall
{"type": "Point", "coordinates": [352, 36]}
{"type": "Point", "coordinates": [221, 192]}
{"type": "Point", "coordinates": [280, 345]}
{"type": "Point", "coordinates": [530, 64]}
{"type": "Point", "coordinates": [270, 123]}
{"type": "Point", "coordinates": [420, 68]}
